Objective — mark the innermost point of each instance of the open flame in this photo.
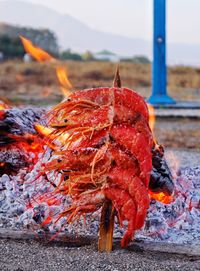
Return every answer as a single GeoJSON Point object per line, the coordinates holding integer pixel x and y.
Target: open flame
{"type": "Point", "coordinates": [37, 53]}
{"type": "Point", "coordinates": [49, 136]}
{"type": "Point", "coordinates": [64, 81]}
{"type": "Point", "coordinates": [42, 56]}
{"type": "Point", "coordinates": [3, 106]}
{"type": "Point", "coordinates": [152, 117]}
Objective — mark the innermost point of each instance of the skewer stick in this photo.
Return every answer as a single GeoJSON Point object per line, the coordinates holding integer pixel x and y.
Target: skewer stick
{"type": "Point", "coordinates": [105, 242]}
{"type": "Point", "coordinates": [117, 80]}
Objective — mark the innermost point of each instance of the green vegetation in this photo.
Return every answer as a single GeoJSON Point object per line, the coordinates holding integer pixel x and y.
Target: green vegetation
{"type": "Point", "coordinates": [11, 47]}
{"type": "Point", "coordinates": [137, 59]}
{"type": "Point", "coordinates": [10, 44]}
{"type": "Point", "coordinates": [88, 56]}
{"type": "Point", "coordinates": [69, 55]}
{"type": "Point", "coordinates": [105, 52]}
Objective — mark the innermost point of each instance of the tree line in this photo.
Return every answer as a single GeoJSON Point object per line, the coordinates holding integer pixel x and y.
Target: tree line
{"type": "Point", "coordinates": [11, 48]}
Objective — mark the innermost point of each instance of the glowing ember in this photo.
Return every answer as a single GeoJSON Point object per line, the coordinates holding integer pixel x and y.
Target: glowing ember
{"type": "Point", "coordinates": [20, 146]}
{"type": "Point", "coordinates": [161, 197]}
{"type": "Point", "coordinates": [3, 106]}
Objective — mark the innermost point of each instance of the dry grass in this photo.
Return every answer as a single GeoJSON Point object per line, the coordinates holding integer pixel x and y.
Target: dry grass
{"type": "Point", "coordinates": [37, 83]}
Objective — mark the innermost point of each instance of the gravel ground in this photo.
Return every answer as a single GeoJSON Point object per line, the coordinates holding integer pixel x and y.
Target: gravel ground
{"type": "Point", "coordinates": [31, 255]}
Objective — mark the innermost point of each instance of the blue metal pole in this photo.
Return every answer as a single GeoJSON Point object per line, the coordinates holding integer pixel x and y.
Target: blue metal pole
{"type": "Point", "coordinates": [159, 71]}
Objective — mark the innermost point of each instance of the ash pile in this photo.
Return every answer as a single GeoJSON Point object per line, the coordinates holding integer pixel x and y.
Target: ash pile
{"type": "Point", "coordinates": [179, 221]}
{"type": "Point", "coordinates": [23, 189]}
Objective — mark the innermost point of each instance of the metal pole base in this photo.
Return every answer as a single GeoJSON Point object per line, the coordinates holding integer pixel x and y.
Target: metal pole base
{"type": "Point", "coordinates": [160, 100]}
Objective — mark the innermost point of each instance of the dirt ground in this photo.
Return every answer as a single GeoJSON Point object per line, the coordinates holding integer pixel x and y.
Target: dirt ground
{"type": "Point", "coordinates": [31, 255]}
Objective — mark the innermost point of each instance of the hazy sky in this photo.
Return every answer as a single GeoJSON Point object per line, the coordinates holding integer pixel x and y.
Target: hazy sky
{"type": "Point", "coordinates": [133, 18]}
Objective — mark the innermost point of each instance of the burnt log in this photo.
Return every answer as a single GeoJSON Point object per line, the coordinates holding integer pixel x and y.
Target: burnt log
{"type": "Point", "coordinates": [161, 179]}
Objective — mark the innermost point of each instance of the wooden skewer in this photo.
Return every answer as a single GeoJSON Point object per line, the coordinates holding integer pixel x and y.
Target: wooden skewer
{"type": "Point", "coordinates": [117, 80]}
{"type": "Point", "coordinates": [105, 242]}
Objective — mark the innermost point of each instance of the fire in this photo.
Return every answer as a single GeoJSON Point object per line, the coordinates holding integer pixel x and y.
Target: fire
{"type": "Point", "coordinates": [41, 56]}
{"type": "Point", "coordinates": [43, 130]}
{"type": "Point", "coordinates": [3, 106]}
{"type": "Point", "coordinates": [37, 53]}
{"type": "Point", "coordinates": [48, 133]}
{"type": "Point", "coordinates": [161, 197]}
{"type": "Point", "coordinates": [152, 117]}
{"type": "Point", "coordinates": [64, 81]}
{"type": "Point", "coordinates": [62, 77]}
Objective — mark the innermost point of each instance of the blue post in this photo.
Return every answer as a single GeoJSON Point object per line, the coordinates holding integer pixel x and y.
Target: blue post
{"type": "Point", "coordinates": [159, 73]}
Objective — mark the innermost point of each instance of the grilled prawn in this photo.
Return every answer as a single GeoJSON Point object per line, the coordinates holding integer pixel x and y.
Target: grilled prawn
{"type": "Point", "coordinates": [106, 155]}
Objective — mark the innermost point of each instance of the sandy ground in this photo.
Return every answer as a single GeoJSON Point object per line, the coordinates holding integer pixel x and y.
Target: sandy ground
{"type": "Point", "coordinates": [31, 255]}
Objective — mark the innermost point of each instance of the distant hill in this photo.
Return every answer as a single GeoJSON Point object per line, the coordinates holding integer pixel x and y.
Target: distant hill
{"type": "Point", "coordinates": [72, 33]}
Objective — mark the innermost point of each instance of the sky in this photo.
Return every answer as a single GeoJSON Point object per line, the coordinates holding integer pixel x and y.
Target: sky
{"type": "Point", "coordinates": [133, 18]}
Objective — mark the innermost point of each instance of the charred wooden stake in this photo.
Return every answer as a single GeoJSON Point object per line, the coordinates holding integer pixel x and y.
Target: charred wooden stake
{"type": "Point", "coordinates": [117, 80]}
{"type": "Point", "coordinates": [105, 241]}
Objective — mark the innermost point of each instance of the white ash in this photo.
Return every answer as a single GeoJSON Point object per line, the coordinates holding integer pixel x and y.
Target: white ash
{"type": "Point", "coordinates": [178, 222]}
{"type": "Point", "coordinates": [21, 207]}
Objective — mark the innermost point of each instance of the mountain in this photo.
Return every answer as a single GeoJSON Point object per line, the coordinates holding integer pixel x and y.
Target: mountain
{"type": "Point", "coordinates": [72, 33]}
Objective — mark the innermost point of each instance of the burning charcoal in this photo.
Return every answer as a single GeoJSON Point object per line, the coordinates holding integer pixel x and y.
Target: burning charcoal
{"type": "Point", "coordinates": [11, 160]}
{"type": "Point", "coordinates": [21, 121]}
{"type": "Point", "coordinates": [19, 143]}
{"type": "Point", "coordinates": [161, 179]}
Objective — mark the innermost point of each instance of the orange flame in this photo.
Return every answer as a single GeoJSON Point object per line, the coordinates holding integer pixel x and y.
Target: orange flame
{"type": "Point", "coordinates": [36, 52]}
{"type": "Point", "coordinates": [41, 56]}
{"type": "Point", "coordinates": [161, 197]}
{"type": "Point", "coordinates": [48, 133]}
{"type": "Point", "coordinates": [43, 130]}
{"type": "Point", "coordinates": [3, 106]}
{"type": "Point", "coordinates": [64, 81]}
{"type": "Point", "coordinates": [62, 77]}
{"type": "Point", "coordinates": [152, 117]}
